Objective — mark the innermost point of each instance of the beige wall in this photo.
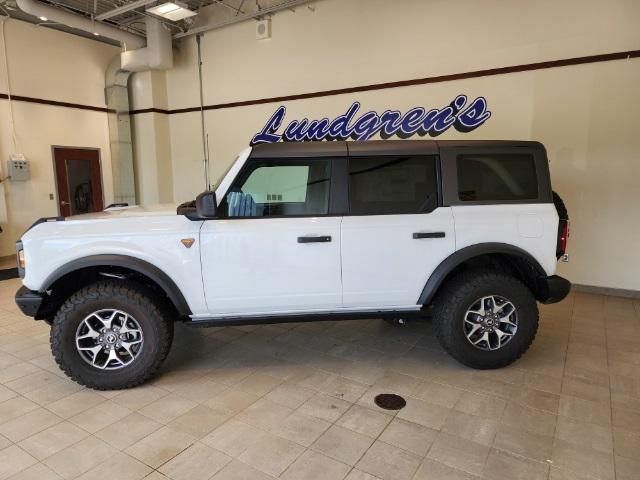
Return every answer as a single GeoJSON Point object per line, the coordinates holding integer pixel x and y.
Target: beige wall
{"type": "Point", "coordinates": [52, 65]}
{"type": "Point", "coordinates": [583, 114]}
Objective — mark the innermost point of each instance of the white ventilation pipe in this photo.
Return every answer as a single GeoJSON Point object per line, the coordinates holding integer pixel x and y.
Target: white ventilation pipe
{"type": "Point", "coordinates": [157, 55]}
{"type": "Point", "coordinates": [38, 9]}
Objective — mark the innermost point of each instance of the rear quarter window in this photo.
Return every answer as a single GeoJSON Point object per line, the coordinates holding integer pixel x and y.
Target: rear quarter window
{"type": "Point", "coordinates": [496, 177]}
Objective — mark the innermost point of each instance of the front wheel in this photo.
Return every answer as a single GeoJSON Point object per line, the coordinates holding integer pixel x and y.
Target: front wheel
{"type": "Point", "coordinates": [111, 335]}
{"type": "Point", "coordinates": [485, 319]}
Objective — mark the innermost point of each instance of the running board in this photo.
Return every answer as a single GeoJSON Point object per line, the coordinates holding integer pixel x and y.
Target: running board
{"type": "Point", "coordinates": [308, 317]}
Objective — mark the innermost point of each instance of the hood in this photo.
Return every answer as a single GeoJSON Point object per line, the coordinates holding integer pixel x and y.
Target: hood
{"type": "Point", "coordinates": [132, 211]}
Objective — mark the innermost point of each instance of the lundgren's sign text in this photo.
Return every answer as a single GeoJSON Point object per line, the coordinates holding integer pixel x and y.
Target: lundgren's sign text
{"type": "Point", "coordinates": [462, 115]}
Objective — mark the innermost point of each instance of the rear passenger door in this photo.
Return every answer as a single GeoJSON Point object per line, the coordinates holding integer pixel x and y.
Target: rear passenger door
{"type": "Point", "coordinates": [396, 233]}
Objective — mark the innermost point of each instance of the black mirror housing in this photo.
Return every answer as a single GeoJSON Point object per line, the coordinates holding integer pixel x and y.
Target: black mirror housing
{"type": "Point", "coordinates": [206, 205]}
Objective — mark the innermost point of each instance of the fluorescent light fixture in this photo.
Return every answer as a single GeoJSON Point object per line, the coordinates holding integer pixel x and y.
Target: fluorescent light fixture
{"type": "Point", "coordinates": [96, 34]}
{"type": "Point", "coordinates": [44, 19]}
{"type": "Point", "coordinates": [173, 11]}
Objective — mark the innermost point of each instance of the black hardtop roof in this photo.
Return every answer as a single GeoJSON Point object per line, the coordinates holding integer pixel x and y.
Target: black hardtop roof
{"type": "Point", "coordinates": [375, 147]}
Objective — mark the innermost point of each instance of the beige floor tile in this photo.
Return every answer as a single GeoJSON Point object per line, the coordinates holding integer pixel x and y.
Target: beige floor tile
{"type": "Point", "coordinates": [15, 407]}
{"type": "Point", "coordinates": [128, 430]}
{"type": "Point", "coordinates": [626, 419]}
{"type": "Point", "coordinates": [264, 414]}
{"type": "Point", "coordinates": [52, 440]}
{"type": "Point", "coordinates": [503, 465]}
{"type": "Point", "coordinates": [324, 407]}
{"type": "Point", "coordinates": [100, 416]}
{"type": "Point", "coordinates": [343, 444]}
{"type": "Point", "coordinates": [232, 401]}
{"type": "Point", "coordinates": [424, 413]}
{"type": "Point", "coordinates": [520, 442]}
{"type": "Point", "coordinates": [388, 462]}
{"type": "Point", "coordinates": [626, 443]}
{"type": "Point", "coordinates": [583, 461]}
{"type": "Point", "coordinates": [300, 428]}
{"type": "Point", "coordinates": [409, 436]}
{"type": "Point", "coordinates": [364, 420]}
{"type": "Point", "coordinates": [53, 391]}
{"type": "Point", "coordinates": [75, 403]}
{"type": "Point", "coordinates": [271, 454]}
{"type": "Point", "coordinates": [585, 410]}
{"type": "Point", "coordinates": [160, 446]}
{"type": "Point", "coordinates": [459, 453]}
{"type": "Point", "coordinates": [356, 474]}
{"type": "Point", "coordinates": [167, 408]}
{"type": "Point", "coordinates": [13, 459]}
{"type": "Point", "coordinates": [437, 393]}
{"type": "Point", "coordinates": [259, 383]}
{"type": "Point", "coordinates": [481, 405]}
{"type": "Point", "coordinates": [141, 396]}
{"type": "Point", "coordinates": [236, 470]}
{"type": "Point", "coordinates": [39, 471]}
{"type": "Point", "coordinates": [234, 437]}
{"type": "Point", "coordinates": [28, 424]}
{"type": "Point", "coordinates": [478, 429]}
{"type": "Point", "coordinates": [80, 457]}
{"type": "Point", "coordinates": [627, 468]}
{"type": "Point", "coordinates": [585, 435]}
{"type": "Point", "coordinates": [433, 470]}
{"type": "Point", "coordinates": [530, 419]}
{"type": "Point", "coordinates": [538, 399]}
{"type": "Point", "coordinates": [119, 466]}
{"type": "Point", "coordinates": [315, 466]}
{"type": "Point", "coordinates": [199, 421]}
{"type": "Point", "coordinates": [4, 442]}
{"type": "Point", "coordinates": [290, 395]}
{"type": "Point", "coordinates": [198, 462]}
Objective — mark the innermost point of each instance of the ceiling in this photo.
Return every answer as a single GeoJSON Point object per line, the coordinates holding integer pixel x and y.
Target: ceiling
{"type": "Point", "coordinates": [132, 20]}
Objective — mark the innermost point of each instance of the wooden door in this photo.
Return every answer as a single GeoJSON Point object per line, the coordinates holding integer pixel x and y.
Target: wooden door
{"type": "Point", "coordinates": [79, 180]}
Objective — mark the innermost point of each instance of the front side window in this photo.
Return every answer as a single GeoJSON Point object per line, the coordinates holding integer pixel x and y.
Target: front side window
{"type": "Point", "coordinates": [497, 177]}
{"type": "Point", "coordinates": [280, 188]}
{"type": "Point", "coordinates": [392, 185]}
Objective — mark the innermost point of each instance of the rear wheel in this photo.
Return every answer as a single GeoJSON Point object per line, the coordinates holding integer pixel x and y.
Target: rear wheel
{"type": "Point", "coordinates": [485, 319]}
{"type": "Point", "coordinates": [111, 335]}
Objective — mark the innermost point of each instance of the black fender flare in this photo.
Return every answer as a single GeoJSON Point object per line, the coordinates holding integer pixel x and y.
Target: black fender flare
{"type": "Point", "coordinates": [456, 258]}
{"type": "Point", "coordinates": [132, 263]}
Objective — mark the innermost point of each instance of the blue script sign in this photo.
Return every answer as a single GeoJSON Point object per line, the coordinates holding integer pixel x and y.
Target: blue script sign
{"type": "Point", "coordinates": [459, 114]}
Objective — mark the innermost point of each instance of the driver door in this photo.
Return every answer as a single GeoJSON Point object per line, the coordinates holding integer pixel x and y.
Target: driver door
{"type": "Point", "coordinates": [276, 246]}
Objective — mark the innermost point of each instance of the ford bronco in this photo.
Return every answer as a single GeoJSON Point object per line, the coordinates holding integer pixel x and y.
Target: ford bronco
{"type": "Point", "coordinates": [468, 230]}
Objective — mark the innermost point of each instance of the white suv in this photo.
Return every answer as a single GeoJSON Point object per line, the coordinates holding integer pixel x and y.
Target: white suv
{"type": "Point", "coordinates": [302, 231]}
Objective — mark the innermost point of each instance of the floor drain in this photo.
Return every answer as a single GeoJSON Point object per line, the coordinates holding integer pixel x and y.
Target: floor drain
{"type": "Point", "coordinates": [390, 401]}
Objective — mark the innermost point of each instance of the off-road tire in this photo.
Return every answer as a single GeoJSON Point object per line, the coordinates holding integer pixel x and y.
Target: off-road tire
{"type": "Point", "coordinates": [456, 297]}
{"type": "Point", "coordinates": [147, 308]}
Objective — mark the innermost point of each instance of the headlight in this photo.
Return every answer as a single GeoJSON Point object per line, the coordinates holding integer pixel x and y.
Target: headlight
{"type": "Point", "coordinates": [20, 259]}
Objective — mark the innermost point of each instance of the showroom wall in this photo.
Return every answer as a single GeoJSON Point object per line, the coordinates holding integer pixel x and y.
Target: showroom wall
{"type": "Point", "coordinates": [54, 66]}
{"type": "Point", "coordinates": [584, 114]}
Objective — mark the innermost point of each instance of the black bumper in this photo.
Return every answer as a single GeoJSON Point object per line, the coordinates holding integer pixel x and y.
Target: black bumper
{"type": "Point", "coordinates": [552, 289]}
{"type": "Point", "coordinates": [29, 301]}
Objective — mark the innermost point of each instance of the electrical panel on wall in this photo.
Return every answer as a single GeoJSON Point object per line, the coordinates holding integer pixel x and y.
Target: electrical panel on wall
{"type": "Point", "coordinates": [18, 168]}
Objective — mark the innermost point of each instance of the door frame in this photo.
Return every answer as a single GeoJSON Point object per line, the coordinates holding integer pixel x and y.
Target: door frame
{"type": "Point", "coordinates": [55, 174]}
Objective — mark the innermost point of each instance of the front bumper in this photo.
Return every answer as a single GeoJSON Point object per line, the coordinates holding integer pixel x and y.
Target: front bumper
{"type": "Point", "coordinates": [552, 289]}
{"type": "Point", "coordinates": [29, 301]}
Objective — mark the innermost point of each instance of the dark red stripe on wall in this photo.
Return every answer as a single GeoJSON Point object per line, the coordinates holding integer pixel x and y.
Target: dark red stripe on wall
{"type": "Point", "coordinates": [527, 67]}
{"type": "Point", "coordinates": [42, 101]}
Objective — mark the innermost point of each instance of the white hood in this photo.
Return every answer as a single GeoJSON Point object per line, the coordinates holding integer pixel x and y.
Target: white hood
{"type": "Point", "coordinates": [132, 211]}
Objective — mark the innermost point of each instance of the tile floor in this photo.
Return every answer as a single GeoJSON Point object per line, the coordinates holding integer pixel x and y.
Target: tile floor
{"type": "Point", "coordinates": [295, 401]}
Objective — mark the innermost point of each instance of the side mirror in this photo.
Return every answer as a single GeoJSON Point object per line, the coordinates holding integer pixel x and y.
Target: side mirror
{"type": "Point", "coordinates": [206, 205]}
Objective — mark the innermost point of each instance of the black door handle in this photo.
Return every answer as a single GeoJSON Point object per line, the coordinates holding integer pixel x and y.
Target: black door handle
{"type": "Point", "coordinates": [418, 235]}
{"type": "Point", "coordinates": [322, 238]}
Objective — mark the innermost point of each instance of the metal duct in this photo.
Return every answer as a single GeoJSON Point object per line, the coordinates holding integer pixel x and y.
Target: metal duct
{"type": "Point", "coordinates": [38, 9]}
{"type": "Point", "coordinates": [157, 55]}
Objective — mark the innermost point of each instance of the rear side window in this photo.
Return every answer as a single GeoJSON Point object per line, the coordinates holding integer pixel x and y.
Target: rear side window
{"type": "Point", "coordinates": [280, 188]}
{"type": "Point", "coordinates": [392, 185]}
{"type": "Point", "coordinates": [496, 177]}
